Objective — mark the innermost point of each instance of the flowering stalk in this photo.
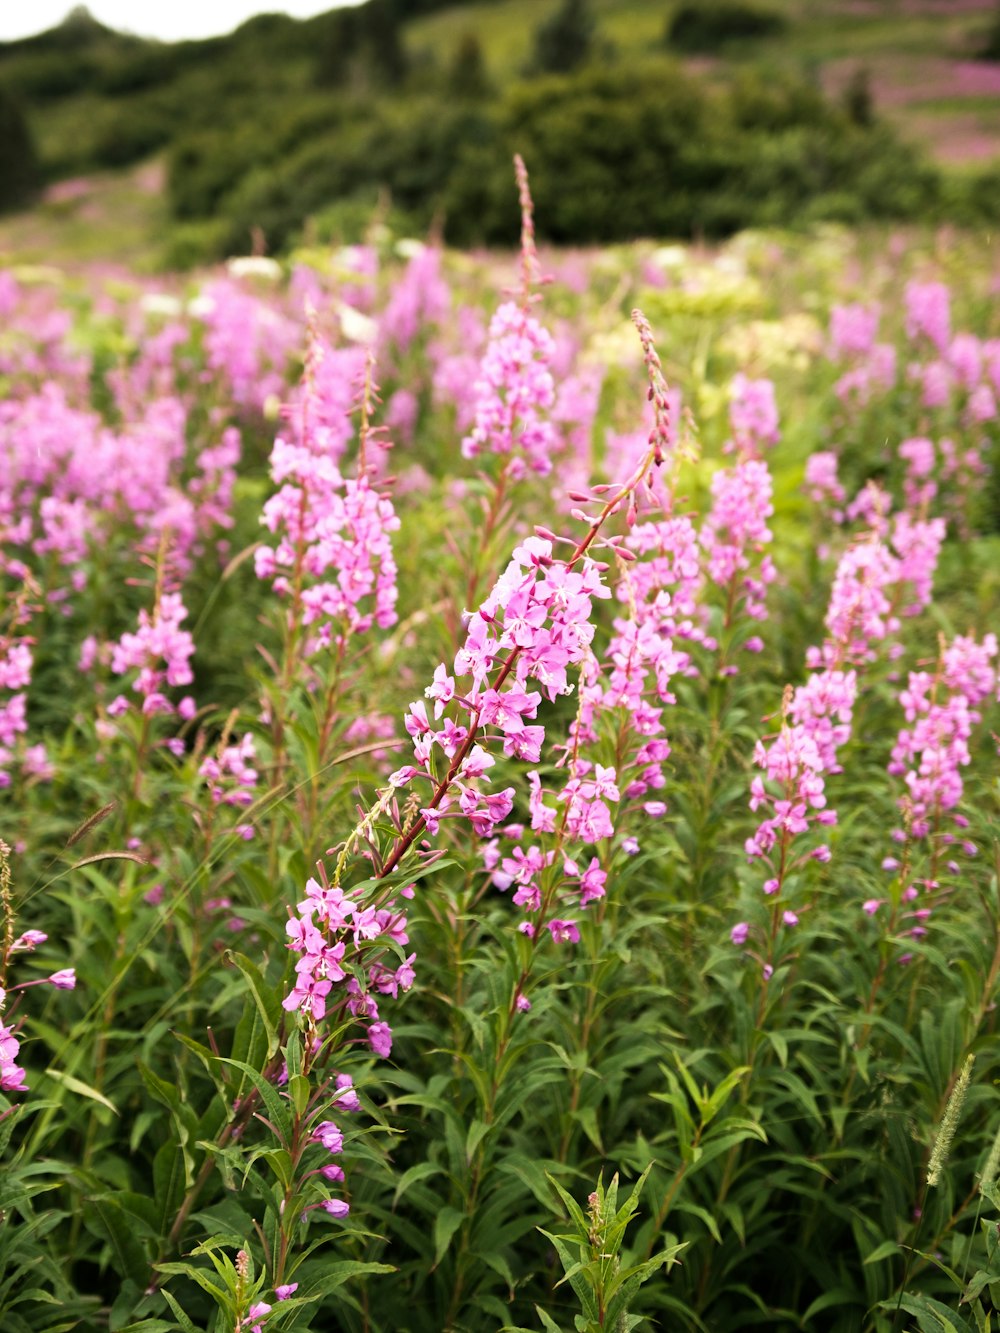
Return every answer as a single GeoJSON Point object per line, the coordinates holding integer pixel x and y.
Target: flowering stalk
{"type": "Point", "coordinates": [333, 562]}
{"type": "Point", "coordinates": [12, 1076]}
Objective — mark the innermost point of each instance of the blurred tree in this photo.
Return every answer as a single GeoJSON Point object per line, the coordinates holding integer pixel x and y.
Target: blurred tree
{"type": "Point", "coordinates": [467, 75]}
{"type": "Point", "coordinates": [566, 40]}
{"type": "Point", "coordinates": [857, 97]}
{"type": "Point", "coordinates": [990, 50]}
{"type": "Point", "coordinates": [361, 46]}
{"type": "Point", "coordinates": [383, 37]}
{"type": "Point", "coordinates": [20, 175]}
{"type": "Point", "coordinates": [702, 27]}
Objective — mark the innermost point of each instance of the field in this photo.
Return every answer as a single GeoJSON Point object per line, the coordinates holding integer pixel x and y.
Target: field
{"type": "Point", "coordinates": [499, 819]}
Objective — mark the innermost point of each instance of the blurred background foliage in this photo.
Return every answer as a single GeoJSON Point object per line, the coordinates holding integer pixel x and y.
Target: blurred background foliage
{"type": "Point", "coordinates": [638, 118]}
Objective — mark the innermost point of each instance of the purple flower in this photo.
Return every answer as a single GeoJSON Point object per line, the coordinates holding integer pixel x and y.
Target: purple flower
{"type": "Point", "coordinates": [380, 1039]}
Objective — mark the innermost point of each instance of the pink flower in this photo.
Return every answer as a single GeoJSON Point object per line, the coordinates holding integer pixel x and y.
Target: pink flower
{"type": "Point", "coordinates": [64, 980]}
{"type": "Point", "coordinates": [29, 940]}
{"type": "Point", "coordinates": [329, 1135]}
{"type": "Point", "coordinates": [255, 1313]}
{"type": "Point", "coordinates": [380, 1039]}
{"type": "Point", "coordinates": [739, 932]}
{"type": "Point", "coordinates": [336, 1207]}
{"type": "Point", "coordinates": [285, 1291]}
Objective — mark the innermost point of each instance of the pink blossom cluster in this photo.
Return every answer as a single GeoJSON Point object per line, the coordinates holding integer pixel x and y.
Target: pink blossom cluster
{"type": "Point", "coordinates": [959, 378]}
{"type": "Point", "coordinates": [318, 415]}
{"type": "Point", "coordinates": [12, 1076]}
{"type": "Point", "coordinates": [919, 487]}
{"type": "Point", "coordinates": [249, 343]}
{"type": "Point", "coordinates": [917, 543]}
{"type": "Point", "coordinates": [514, 394]}
{"type": "Point", "coordinates": [661, 589]}
{"type": "Point", "coordinates": [72, 480]}
{"type": "Point", "coordinates": [533, 626]}
{"type": "Point", "coordinates": [822, 483]}
{"type": "Point", "coordinates": [331, 932]}
{"type": "Point", "coordinates": [573, 413]}
{"type": "Point", "coordinates": [328, 1136]}
{"type": "Point", "coordinates": [160, 653]}
{"type": "Point", "coordinates": [853, 329]}
{"type": "Point", "coordinates": [16, 663]}
{"type": "Point", "coordinates": [753, 416]}
{"type": "Point", "coordinates": [230, 773]}
{"type": "Point", "coordinates": [334, 553]}
{"type": "Point", "coordinates": [735, 534]}
{"type": "Point", "coordinates": [793, 763]}
{"type": "Point", "coordinates": [861, 612]}
{"type": "Point", "coordinates": [420, 299]}
{"type": "Point", "coordinates": [456, 369]}
{"type": "Point", "coordinates": [37, 344]}
{"type": "Point", "coordinates": [871, 365]}
{"type": "Point", "coordinates": [942, 709]}
{"type": "Point", "coordinates": [928, 312]}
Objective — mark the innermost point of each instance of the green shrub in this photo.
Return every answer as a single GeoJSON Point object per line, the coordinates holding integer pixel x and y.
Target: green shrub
{"type": "Point", "coordinates": [20, 175]}
{"type": "Point", "coordinates": [701, 28]}
{"type": "Point", "coordinates": [564, 41]}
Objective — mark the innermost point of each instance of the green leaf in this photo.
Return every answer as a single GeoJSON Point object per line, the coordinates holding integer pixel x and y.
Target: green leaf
{"type": "Point", "coordinates": [179, 1315]}
{"type": "Point", "coordinates": [446, 1224]}
{"type": "Point", "coordinates": [419, 1171]}
{"type": "Point", "coordinates": [886, 1250]}
{"type": "Point", "coordinates": [298, 1089]}
{"type": "Point", "coordinates": [335, 1275]}
{"type": "Point", "coordinates": [106, 1219]}
{"type": "Point", "coordinates": [267, 1002]}
{"type": "Point", "coordinates": [572, 1272]}
{"type": "Point", "coordinates": [81, 1089]}
{"type": "Point", "coordinates": [275, 1105]}
{"type": "Point", "coordinates": [169, 1183]}
{"type": "Point", "coordinates": [549, 1325]}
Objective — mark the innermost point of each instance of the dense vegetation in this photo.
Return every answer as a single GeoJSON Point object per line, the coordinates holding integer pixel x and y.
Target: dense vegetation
{"type": "Point", "coordinates": [542, 875]}
{"type": "Point", "coordinates": [287, 128]}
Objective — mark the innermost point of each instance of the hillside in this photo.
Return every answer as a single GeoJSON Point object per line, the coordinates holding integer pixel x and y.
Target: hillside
{"type": "Point", "coordinates": [416, 105]}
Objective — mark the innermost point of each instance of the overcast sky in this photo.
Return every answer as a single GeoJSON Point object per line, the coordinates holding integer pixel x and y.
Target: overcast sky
{"type": "Point", "coordinates": [169, 20]}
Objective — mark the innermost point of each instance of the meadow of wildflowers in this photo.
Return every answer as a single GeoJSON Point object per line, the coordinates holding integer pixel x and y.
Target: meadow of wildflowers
{"type": "Point", "coordinates": [481, 736]}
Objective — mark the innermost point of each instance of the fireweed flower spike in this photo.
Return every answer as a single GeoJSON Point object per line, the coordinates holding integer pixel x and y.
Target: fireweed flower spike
{"type": "Point", "coordinates": [530, 270]}
{"type": "Point", "coordinates": [514, 392]}
{"type": "Point", "coordinates": [12, 1076]}
{"type": "Point", "coordinates": [534, 624]}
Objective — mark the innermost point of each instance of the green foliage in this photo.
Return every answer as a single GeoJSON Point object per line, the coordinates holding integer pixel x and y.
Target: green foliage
{"type": "Point", "coordinates": [765, 1112]}
{"type": "Point", "coordinates": [564, 41]}
{"type": "Point", "coordinates": [281, 121]}
{"type": "Point", "coordinates": [702, 28]}
{"type": "Point", "coordinates": [20, 175]}
{"type": "Point", "coordinates": [467, 74]}
{"type": "Point", "coordinates": [990, 48]}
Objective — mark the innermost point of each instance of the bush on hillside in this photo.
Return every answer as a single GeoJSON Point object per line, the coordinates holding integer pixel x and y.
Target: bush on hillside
{"type": "Point", "coordinates": [20, 174]}
{"type": "Point", "coordinates": [617, 152]}
{"type": "Point", "coordinates": [701, 28]}
{"type": "Point", "coordinates": [564, 41]}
